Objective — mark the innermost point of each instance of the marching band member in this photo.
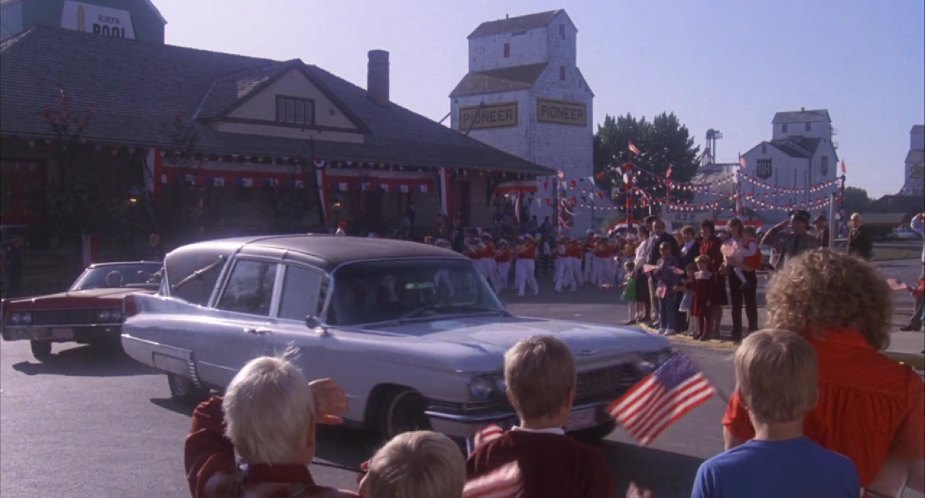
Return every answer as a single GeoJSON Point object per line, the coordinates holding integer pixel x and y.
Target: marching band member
{"type": "Point", "coordinates": [561, 266]}
{"type": "Point", "coordinates": [588, 249]}
{"type": "Point", "coordinates": [600, 266]}
{"type": "Point", "coordinates": [489, 265]}
{"type": "Point", "coordinates": [525, 266]}
{"type": "Point", "coordinates": [503, 257]}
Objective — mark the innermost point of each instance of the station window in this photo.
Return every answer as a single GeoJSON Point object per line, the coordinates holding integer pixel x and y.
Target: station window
{"type": "Point", "coordinates": [295, 110]}
{"type": "Point", "coordinates": [809, 126]}
{"type": "Point", "coordinates": [783, 127]}
{"type": "Point", "coordinates": [507, 49]}
{"type": "Point", "coordinates": [562, 73]}
{"type": "Point", "coordinates": [562, 31]}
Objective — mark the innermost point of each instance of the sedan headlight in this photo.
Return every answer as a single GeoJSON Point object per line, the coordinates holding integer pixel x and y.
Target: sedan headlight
{"type": "Point", "coordinates": [483, 387]}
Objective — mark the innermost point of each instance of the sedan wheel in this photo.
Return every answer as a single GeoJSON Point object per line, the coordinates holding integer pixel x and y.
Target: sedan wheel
{"type": "Point", "coordinates": [184, 389]}
{"type": "Point", "coordinates": [404, 412]}
{"type": "Point", "coordinates": [41, 350]}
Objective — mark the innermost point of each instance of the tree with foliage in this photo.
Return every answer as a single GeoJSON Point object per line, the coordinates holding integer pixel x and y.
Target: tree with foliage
{"type": "Point", "coordinates": [664, 143]}
{"type": "Point", "coordinates": [856, 200]}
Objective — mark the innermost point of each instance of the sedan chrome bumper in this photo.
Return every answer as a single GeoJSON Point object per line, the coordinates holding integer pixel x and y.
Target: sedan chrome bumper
{"type": "Point", "coordinates": [82, 334]}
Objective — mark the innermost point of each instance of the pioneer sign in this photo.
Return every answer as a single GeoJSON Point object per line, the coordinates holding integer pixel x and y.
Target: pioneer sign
{"type": "Point", "coordinates": [488, 116]}
{"type": "Point", "coordinates": [560, 112]}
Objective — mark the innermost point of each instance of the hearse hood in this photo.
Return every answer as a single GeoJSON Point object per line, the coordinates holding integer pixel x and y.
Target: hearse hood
{"type": "Point", "coordinates": [490, 334]}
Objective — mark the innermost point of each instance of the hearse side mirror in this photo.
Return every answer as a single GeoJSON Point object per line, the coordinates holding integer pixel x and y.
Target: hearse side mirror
{"type": "Point", "coordinates": [312, 322]}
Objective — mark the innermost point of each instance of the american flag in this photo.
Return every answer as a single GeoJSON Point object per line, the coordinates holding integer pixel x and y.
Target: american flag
{"type": "Point", "coordinates": [742, 162]}
{"type": "Point", "coordinates": [632, 148]}
{"type": "Point", "coordinates": [503, 482]}
{"type": "Point", "coordinates": [483, 436]}
{"type": "Point", "coordinates": [661, 398]}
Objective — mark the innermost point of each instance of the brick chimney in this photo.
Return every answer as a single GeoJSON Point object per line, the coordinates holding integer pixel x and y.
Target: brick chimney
{"type": "Point", "coordinates": [377, 77]}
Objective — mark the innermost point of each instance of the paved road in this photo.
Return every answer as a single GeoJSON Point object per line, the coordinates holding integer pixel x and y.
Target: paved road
{"type": "Point", "coordinates": [96, 424]}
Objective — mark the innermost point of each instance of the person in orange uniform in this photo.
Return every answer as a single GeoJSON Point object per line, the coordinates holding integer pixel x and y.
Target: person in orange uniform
{"type": "Point", "coordinates": [489, 265]}
{"type": "Point", "coordinates": [870, 408]}
{"type": "Point", "coordinates": [603, 258]}
{"type": "Point", "coordinates": [525, 266]}
{"type": "Point", "coordinates": [503, 258]}
{"type": "Point", "coordinates": [569, 255]}
{"type": "Point", "coordinates": [587, 274]}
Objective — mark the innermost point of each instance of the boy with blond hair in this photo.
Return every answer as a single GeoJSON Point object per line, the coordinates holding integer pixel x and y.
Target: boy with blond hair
{"type": "Point", "coordinates": [541, 379]}
{"type": "Point", "coordinates": [777, 379]}
{"type": "Point", "coordinates": [413, 464]}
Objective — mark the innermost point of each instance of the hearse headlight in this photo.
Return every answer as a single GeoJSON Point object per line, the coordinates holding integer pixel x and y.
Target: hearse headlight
{"type": "Point", "coordinates": [103, 315]}
{"type": "Point", "coordinates": [20, 318]}
{"type": "Point", "coordinates": [26, 318]}
{"type": "Point", "coordinates": [483, 387]}
{"type": "Point", "coordinates": [650, 361]}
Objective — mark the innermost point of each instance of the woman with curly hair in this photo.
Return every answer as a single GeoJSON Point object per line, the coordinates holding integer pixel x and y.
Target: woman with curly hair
{"type": "Point", "coordinates": [869, 408]}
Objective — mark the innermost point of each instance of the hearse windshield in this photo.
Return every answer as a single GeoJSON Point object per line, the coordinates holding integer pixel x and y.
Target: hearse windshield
{"type": "Point", "coordinates": [378, 291]}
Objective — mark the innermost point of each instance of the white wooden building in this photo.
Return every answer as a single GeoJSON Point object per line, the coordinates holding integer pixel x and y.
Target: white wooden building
{"type": "Point", "coordinates": [525, 95]}
{"type": "Point", "coordinates": [797, 167]}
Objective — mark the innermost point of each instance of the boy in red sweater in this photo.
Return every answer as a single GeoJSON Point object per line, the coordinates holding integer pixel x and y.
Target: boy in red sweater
{"type": "Point", "coordinates": [541, 379]}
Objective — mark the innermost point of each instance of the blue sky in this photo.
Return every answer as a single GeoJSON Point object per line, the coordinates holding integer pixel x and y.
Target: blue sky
{"type": "Point", "coordinates": [723, 64]}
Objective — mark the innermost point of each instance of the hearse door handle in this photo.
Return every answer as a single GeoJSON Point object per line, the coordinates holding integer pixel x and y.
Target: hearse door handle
{"type": "Point", "coordinates": [250, 330]}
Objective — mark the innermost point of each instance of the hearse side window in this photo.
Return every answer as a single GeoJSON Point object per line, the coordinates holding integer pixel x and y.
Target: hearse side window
{"type": "Point", "coordinates": [300, 293]}
{"type": "Point", "coordinates": [193, 277]}
{"type": "Point", "coordinates": [249, 288]}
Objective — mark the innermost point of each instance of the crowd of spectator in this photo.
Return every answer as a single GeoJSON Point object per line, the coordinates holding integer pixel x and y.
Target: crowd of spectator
{"type": "Point", "coordinates": [817, 411]}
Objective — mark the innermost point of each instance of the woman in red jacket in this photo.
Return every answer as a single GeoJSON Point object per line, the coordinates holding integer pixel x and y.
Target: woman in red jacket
{"type": "Point", "coordinates": [710, 245]}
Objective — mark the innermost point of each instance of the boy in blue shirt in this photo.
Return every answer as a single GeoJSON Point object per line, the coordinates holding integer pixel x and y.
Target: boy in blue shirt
{"type": "Point", "coordinates": [777, 378]}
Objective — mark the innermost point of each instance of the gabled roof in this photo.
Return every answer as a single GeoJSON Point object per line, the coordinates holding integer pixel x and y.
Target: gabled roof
{"type": "Point", "coordinates": [515, 24]}
{"type": "Point", "coordinates": [506, 79]}
{"type": "Point", "coordinates": [790, 148]}
{"type": "Point", "coordinates": [918, 129]}
{"type": "Point", "coordinates": [802, 116]}
{"type": "Point", "coordinates": [137, 90]}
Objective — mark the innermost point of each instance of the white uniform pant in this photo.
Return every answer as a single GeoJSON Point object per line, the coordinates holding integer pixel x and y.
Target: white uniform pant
{"type": "Point", "coordinates": [524, 274]}
{"type": "Point", "coordinates": [573, 266]}
{"type": "Point", "coordinates": [504, 274]}
{"type": "Point", "coordinates": [565, 275]}
{"type": "Point", "coordinates": [587, 272]}
{"type": "Point", "coordinates": [599, 271]}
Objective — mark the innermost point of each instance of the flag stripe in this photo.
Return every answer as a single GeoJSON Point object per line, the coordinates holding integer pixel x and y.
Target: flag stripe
{"type": "Point", "coordinates": [657, 423]}
{"type": "Point", "coordinates": [654, 403]}
{"type": "Point", "coordinates": [632, 395]}
{"type": "Point", "coordinates": [502, 482]}
{"type": "Point", "coordinates": [677, 412]}
{"type": "Point", "coordinates": [661, 398]}
{"type": "Point", "coordinates": [667, 407]}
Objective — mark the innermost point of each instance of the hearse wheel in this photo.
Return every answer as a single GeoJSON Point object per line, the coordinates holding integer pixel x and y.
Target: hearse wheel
{"type": "Point", "coordinates": [183, 389]}
{"type": "Point", "coordinates": [403, 411]}
{"type": "Point", "coordinates": [41, 350]}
